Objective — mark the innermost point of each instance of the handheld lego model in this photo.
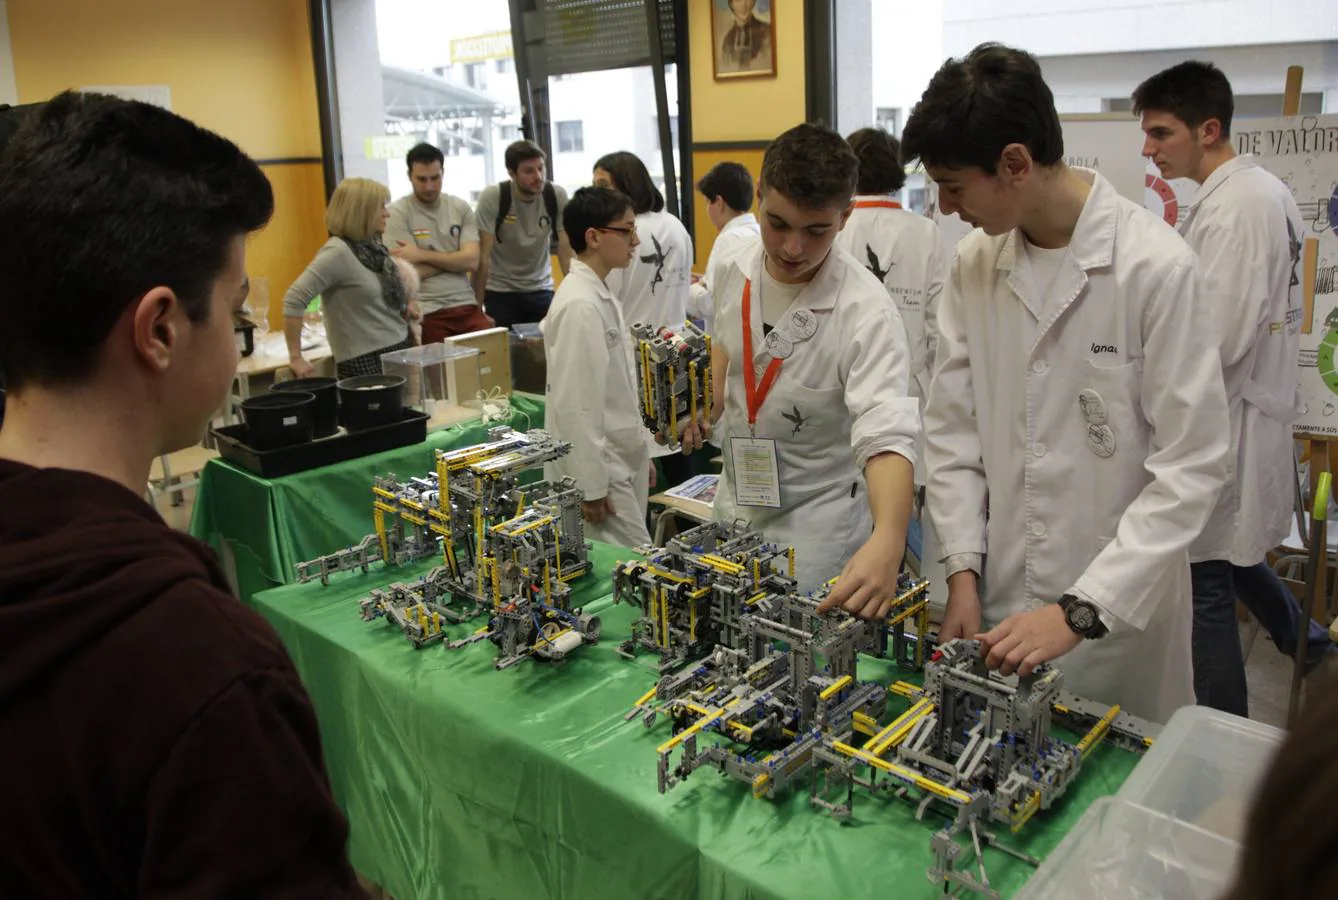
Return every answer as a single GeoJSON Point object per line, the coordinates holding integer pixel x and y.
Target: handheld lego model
{"type": "Point", "coordinates": [674, 375]}
{"type": "Point", "coordinates": [979, 748]}
{"type": "Point", "coordinates": [528, 562]}
{"type": "Point", "coordinates": [693, 592]}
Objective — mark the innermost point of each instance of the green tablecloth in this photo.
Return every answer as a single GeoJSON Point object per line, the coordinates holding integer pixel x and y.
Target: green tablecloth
{"type": "Point", "coordinates": [266, 526]}
{"type": "Point", "coordinates": [464, 782]}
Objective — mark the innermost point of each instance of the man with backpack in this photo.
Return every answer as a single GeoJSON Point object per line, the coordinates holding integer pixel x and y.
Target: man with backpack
{"type": "Point", "coordinates": [518, 232]}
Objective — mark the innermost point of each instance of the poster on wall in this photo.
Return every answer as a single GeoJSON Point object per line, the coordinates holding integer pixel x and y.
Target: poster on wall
{"type": "Point", "coordinates": [743, 38]}
{"type": "Point", "coordinates": [1302, 151]}
{"type": "Point", "coordinates": [1110, 143]}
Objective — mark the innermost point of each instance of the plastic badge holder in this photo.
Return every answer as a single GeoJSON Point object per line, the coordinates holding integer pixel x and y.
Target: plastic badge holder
{"type": "Point", "coordinates": [1204, 769]}
{"type": "Point", "coordinates": [1122, 851]}
{"type": "Point", "coordinates": [441, 378]}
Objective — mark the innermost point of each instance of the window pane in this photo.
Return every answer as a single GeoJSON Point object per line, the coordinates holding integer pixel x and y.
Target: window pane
{"type": "Point", "coordinates": [456, 90]}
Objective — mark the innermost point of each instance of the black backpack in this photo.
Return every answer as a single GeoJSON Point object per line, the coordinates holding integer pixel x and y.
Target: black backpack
{"type": "Point", "coordinates": [504, 209]}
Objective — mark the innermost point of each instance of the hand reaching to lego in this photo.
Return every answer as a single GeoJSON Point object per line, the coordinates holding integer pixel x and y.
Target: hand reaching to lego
{"type": "Point", "coordinates": [694, 435]}
{"type": "Point", "coordinates": [596, 511]}
{"type": "Point", "coordinates": [961, 615]}
{"type": "Point", "coordinates": [868, 584]}
{"type": "Point", "coordinates": [1022, 642]}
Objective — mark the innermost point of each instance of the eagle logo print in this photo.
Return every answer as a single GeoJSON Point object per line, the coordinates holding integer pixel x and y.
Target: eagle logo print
{"type": "Point", "coordinates": [658, 258]}
{"type": "Point", "coordinates": [879, 272]}
{"type": "Point", "coordinates": [1294, 246]}
{"type": "Point", "coordinates": [797, 419]}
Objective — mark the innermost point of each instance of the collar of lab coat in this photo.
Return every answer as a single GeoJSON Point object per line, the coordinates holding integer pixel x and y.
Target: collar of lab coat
{"type": "Point", "coordinates": [1219, 177]}
{"type": "Point", "coordinates": [742, 221]}
{"type": "Point", "coordinates": [820, 293]}
{"type": "Point", "coordinates": [590, 276]}
{"type": "Point", "coordinates": [1093, 243]}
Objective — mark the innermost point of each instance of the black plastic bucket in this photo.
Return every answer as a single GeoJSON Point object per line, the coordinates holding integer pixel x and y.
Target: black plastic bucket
{"type": "Point", "coordinates": [278, 420]}
{"type": "Point", "coordinates": [325, 412]}
{"type": "Point", "coordinates": [366, 401]}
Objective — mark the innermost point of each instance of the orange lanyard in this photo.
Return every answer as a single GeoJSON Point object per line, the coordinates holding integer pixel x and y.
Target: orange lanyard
{"type": "Point", "coordinates": [877, 204]}
{"type": "Point", "coordinates": [756, 395]}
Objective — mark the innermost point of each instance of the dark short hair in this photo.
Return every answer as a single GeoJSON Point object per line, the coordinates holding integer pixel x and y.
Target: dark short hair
{"type": "Point", "coordinates": [811, 166]}
{"type": "Point", "coordinates": [136, 198]}
{"type": "Point", "coordinates": [592, 207]}
{"type": "Point", "coordinates": [879, 155]}
{"type": "Point", "coordinates": [425, 154]}
{"type": "Point", "coordinates": [1192, 91]}
{"type": "Point", "coordinates": [977, 105]}
{"type": "Point", "coordinates": [731, 181]}
{"type": "Point", "coordinates": [631, 177]}
{"type": "Point", "coordinates": [522, 152]}
{"type": "Point", "coordinates": [1291, 830]}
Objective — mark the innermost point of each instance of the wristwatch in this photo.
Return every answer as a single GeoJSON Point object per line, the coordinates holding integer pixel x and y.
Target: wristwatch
{"type": "Point", "coordinates": [1082, 617]}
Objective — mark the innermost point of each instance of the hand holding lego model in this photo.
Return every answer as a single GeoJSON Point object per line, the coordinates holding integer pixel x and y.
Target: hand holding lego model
{"type": "Point", "coordinates": [596, 511]}
{"type": "Point", "coordinates": [867, 586]}
{"type": "Point", "coordinates": [1022, 642]}
{"type": "Point", "coordinates": [693, 437]}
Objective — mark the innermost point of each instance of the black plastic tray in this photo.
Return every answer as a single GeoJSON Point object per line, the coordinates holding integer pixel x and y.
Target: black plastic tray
{"type": "Point", "coordinates": [338, 447]}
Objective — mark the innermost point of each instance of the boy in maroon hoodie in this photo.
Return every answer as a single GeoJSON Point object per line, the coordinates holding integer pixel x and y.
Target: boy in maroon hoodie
{"type": "Point", "coordinates": [155, 740]}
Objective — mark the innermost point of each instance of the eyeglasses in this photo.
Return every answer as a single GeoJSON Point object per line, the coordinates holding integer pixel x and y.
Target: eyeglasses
{"type": "Point", "coordinates": [625, 232]}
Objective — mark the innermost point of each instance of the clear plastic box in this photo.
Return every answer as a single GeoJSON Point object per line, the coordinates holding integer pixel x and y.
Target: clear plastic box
{"type": "Point", "coordinates": [1203, 769]}
{"type": "Point", "coordinates": [1122, 851]}
{"type": "Point", "coordinates": [442, 380]}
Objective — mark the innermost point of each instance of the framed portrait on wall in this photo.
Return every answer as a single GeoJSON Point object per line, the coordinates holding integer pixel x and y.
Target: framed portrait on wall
{"type": "Point", "coordinates": [743, 38]}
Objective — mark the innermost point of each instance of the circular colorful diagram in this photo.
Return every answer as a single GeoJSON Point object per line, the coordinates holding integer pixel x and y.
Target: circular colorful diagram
{"type": "Point", "coordinates": [1170, 205]}
{"type": "Point", "coordinates": [1324, 359]}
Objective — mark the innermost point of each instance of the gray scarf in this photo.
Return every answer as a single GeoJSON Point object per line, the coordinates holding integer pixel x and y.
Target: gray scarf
{"type": "Point", "coordinates": [374, 255]}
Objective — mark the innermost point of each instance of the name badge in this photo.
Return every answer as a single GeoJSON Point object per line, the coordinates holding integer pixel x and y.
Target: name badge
{"type": "Point", "coordinates": [756, 472]}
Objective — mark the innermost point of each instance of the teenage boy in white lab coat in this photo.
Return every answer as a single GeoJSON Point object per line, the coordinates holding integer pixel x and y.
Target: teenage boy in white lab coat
{"type": "Point", "coordinates": [728, 189]}
{"type": "Point", "coordinates": [1074, 387]}
{"type": "Point", "coordinates": [811, 369]}
{"type": "Point", "coordinates": [1244, 225]}
{"type": "Point", "coordinates": [592, 400]}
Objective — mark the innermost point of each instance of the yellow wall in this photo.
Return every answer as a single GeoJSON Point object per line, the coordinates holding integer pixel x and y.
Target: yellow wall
{"type": "Point", "coordinates": [742, 109]}
{"type": "Point", "coordinates": [242, 68]}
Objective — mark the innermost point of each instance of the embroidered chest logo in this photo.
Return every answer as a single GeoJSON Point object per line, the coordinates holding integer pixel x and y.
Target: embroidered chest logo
{"type": "Point", "coordinates": [797, 419]}
{"type": "Point", "coordinates": [544, 222]}
{"type": "Point", "coordinates": [455, 231]}
{"type": "Point", "coordinates": [875, 267]}
{"type": "Point", "coordinates": [657, 259]}
{"type": "Point", "coordinates": [1105, 348]}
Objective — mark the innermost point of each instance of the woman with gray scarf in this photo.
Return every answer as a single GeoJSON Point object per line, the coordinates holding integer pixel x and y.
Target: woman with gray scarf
{"type": "Point", "coordinates": [363, 299]}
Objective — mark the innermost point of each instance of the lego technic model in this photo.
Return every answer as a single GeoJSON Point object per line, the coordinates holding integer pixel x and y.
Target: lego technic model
{"type": "Point", "coordinates": [674, 375]}
{"type": "Point", "coordinates": [505, 546]}
{"type": "Point", "coordinates": [979, 747]}
{"type": "Point", "coordinates": [694, 591]}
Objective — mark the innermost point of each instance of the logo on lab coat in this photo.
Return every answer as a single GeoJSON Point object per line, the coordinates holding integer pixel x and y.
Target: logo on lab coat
{"type": "Point", "coordinates": [797, 419]}
{"type": "Point", "coordinates": [657, 259]}
{"type": "Point", "coordinates": [874, 266]}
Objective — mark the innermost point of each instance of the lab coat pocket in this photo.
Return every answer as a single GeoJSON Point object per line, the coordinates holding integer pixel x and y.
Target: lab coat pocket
{"type": "Point", "coordinates": [1108, 403]}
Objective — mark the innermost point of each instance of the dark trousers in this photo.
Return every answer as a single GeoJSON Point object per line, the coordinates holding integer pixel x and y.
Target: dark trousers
{"type": "Point", "coordinates": [509, 308]}
{"type": "Point", "coordinates": [1219, 663]}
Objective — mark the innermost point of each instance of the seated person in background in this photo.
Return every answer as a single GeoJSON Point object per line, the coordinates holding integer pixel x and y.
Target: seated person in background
{"type": "Point", "coordinates": [520, 227]}
{"type": "Point", "coordinates": [728, 189]}
{"type": "Point", "coordinates": [362, 295]}
{"type": "Point", "coordinates": [438, 235]}
{"type": "Point", "coordinates": [157, 739]}
{"type": "Point", "coordinates": [592, 387]}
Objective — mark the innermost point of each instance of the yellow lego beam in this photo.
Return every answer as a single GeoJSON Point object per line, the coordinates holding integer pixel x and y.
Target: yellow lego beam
{"type": "Point", "coordinates": [905, 775]}
{"type": "Point", "coordinates": [1093, 737]}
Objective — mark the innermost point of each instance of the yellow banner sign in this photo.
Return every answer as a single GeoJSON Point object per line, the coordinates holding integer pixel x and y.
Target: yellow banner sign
{"type": "Point", "coordinates": [482, 47]}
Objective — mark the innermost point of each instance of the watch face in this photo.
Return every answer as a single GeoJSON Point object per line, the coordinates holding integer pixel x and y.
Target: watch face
{"type": "Point", "coordinates": [1082, 617]}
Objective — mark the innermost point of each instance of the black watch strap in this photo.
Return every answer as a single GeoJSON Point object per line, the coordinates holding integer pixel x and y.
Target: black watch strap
{"type": "Point", "coordinates": [1083, 617]}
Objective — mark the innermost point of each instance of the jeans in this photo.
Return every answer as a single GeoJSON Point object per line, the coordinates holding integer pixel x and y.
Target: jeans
{"type": "Point", "coordinates": [1219, 663]}
{"type": "Point", "coordinates": [509, 308]}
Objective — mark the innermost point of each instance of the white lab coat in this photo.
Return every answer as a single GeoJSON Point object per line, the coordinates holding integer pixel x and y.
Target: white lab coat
{"type": "Point", "coordinates": [738, 233]}
{"type": "Point", "coordinates": [592, 402]}
{"type": "Point", "coordinates": [654, 287]}
{"type": "Point", "coordinates": [902, 250]}
{"type": "Point", "coordinates": [1244, 225]}
{"type": "Point", "coordinates": [1003, 419]}
{"type": "Point", "coordinates": [841, 398]}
